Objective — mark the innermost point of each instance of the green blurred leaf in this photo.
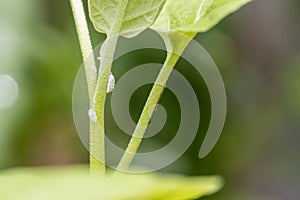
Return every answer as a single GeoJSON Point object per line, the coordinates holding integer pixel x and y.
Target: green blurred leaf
{"type": "Point", "coordinates": [74, 183]}
{"type": "Point", "coordinates": [138, 16]}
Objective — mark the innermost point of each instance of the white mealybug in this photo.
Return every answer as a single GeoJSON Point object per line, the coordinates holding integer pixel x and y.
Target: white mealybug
{"type": "Point", "coordinates": [111, 83]}
{"type": "Point", "coordinates": [92, 115]}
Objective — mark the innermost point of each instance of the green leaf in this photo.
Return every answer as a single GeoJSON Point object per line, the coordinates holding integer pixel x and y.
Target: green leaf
{"type": "Point", "coordinates": [138, 15]}
{"type": "Point", "coordinates": [75, 183]}
{"type": "Point", "coordinates": [195, 15]}
{"type": "Point", "coordinates": [180, 20]}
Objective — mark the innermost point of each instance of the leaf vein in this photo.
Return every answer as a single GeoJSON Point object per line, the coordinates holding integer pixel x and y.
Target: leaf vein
{"type": "Point", "coordinates": [137, 15]}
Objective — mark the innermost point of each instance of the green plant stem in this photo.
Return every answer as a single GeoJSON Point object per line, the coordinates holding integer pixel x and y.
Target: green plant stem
{"type": "Point", "coordinates": [176, 43]}
{"type": "Point", "coordinates": [147, 112]}
{"type": "Point", "coordinates": [85, 45]}
{"type": "Point", "coordinates": [97, 139]}
{"type": "Point", "coordinates": [89, 63]}
{"type": "Point", "coordinates": [89, 66]}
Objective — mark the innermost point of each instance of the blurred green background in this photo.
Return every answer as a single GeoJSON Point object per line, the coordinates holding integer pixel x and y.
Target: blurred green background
{"type": "Point", "coordinates": [256, 49]}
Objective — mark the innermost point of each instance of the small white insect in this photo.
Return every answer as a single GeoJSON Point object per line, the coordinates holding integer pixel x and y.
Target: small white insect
{"type": "Point", "coordinates": [92, 115]}
{"type": "Point", "coordinates": [111, 83]}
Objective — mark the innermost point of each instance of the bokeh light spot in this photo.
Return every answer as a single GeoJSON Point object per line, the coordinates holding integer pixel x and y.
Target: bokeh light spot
{"type": "Point", "coordinates": [9, 91]}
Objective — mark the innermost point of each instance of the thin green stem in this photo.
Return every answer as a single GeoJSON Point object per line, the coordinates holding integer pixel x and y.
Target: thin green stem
{"type": "Point", "coordinates": [97, 141]}
{"type": "Point", "coordinates": [176, 43]}
{"type": "Point", "coordinates": [85, 45]}
{"type": "Point", "coordinates": [147, 112]}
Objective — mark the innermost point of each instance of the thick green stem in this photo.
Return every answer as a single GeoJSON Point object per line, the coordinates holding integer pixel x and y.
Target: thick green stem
{"type": "Point", "coordinates": [97, 139]}
{"type": "Point", "coordinates": [90, 69]}
{"type": "Point", "coordinates": [147, 112]}
{"type": "Point", "coordinates": [85, 45]}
